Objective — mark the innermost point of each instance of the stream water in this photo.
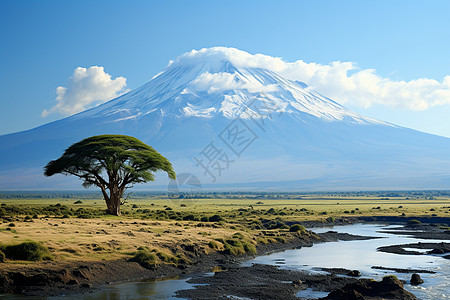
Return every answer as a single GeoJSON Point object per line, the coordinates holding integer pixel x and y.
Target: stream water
{"type": "Point", "coordinates": [362, 255]}
{"type": "Point", "coordinates": [354, 255]}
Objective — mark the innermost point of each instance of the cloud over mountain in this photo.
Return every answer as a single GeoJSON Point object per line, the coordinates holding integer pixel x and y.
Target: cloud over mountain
{"type": "Point", "coordinates": [87, 88]}
{"type": "Point", "coordinates": [339, 80]}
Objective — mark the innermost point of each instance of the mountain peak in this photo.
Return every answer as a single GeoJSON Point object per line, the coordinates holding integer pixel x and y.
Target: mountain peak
{"type": "Point", "coordinates": [218, 82]}
{"type": "Point", "coordinates": [219, 56]}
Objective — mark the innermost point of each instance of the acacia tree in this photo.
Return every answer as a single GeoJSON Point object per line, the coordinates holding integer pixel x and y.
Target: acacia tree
{"type": "Point", "coordinates": [124, 160]}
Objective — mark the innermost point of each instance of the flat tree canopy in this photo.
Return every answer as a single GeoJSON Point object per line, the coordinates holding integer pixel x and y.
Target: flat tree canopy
{"type": "Point", "coordinates": [124, 159]}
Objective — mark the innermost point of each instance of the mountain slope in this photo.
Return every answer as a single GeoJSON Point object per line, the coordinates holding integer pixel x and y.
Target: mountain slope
{"type": "Point", "coordinates": [235, 125]}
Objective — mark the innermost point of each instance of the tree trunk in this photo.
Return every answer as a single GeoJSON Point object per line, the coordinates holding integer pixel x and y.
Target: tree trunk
{"type": "Point", "coordinates": [114, 204]}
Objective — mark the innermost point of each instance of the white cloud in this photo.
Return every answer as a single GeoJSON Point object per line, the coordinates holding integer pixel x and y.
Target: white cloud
{"type": "Point", "coordinates": [223, 81]}
{"type": "Point", "coordinates": [342, 81]}
{"type": "Point", "coordinates": [87, 88]}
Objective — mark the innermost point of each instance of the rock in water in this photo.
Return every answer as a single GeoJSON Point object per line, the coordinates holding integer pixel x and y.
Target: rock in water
{"type": "Point", "coordinates": [415, 279]}
{"type": "Point", "coordinates": [354, 273]}
{"type": "Point", "coordinates": [389, 288]}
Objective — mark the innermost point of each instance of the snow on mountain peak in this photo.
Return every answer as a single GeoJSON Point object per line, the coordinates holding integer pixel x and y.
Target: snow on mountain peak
{"type": "Point", "coordinates": [220, 81]}
{"type": "Point", "coordinates": [215, 56]}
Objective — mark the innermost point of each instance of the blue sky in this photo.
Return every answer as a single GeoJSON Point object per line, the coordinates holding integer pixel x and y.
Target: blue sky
{"type": "Point", "coordinates": [43, 42]}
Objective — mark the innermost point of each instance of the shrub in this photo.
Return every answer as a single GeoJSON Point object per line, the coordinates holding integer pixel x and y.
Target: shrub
{"type": "Point", "coordinates": [167, 258]}
{"type": "Point", "coordinates": [234, 242]}
{"type": "Point", "coordinates": [78, 202]}
{"type": "Point", "coordinates": [145, 258]}
{"type": "Point", "coordinates": [134, 206]}
{"type": "Point", "coordinates": [2, 256]}
{"type": "Point", "coordinates": [213, 245]}
{"type": "Point", "coordinates": [238, 235]}
{"type": "Point", "coordinates": [280, 239]}
{"type": "Point", "coordinates": [250, 248]}
{"type": "Point", "coordinates": [412, 223]}
{"type": "Point", "coordinates": [232, 250]}
{"type": "Point", "coordinates": [215, 218]}
{"type": "Point", "coordinates": [30, 251]}
{"type": "Point", "coordinates": [297, 227]}
{"type": "Point", "coordinates": [261, 240]}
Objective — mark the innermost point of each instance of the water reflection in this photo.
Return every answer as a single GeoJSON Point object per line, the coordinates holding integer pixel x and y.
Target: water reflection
{"type": "Point", "coordinates": [155, 290]}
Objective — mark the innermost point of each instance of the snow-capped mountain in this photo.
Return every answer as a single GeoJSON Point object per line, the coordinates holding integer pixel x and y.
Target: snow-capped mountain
{"type": "Point", "coordinates": [237, 125]}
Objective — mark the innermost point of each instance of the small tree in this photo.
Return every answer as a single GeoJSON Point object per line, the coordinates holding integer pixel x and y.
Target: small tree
{"type": "Point", "coordinates": [124, 159]}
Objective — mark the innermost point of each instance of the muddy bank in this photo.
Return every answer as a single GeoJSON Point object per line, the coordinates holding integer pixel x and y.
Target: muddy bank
{"type": "Point", "coordinates": [431, 249]}
{"type": "Point", "coordinates": [403, 270]}
{"type": "Point", "coordinates": [56, 278]}
{"type": "Point", "coordinates": [422, 231]}
{"type": "Point", "coordinates": [270, 282]}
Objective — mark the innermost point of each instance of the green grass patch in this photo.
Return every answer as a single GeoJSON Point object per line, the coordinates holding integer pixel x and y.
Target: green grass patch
{"type": "Point", "coordinates": [30, 251]}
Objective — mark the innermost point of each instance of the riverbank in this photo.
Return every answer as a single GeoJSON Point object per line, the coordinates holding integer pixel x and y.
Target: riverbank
{"type": "Point", "coordinates": [57, 278]}
{"type": "Point", "coordinates": [90, 250]}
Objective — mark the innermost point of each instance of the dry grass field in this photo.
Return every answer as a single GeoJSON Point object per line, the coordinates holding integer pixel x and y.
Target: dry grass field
{"type": "Point", "coordinates": [166, 225]}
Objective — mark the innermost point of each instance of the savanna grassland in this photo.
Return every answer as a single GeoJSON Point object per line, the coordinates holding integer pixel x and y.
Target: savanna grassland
{"type": "Point", "coordinates": [76, 227]}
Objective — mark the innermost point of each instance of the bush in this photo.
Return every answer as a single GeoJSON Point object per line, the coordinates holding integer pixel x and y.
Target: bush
{"type": "Point", "coordinates": [215, 218]}
{"type": "Point", "coordinates": [232, 250]}
{"type": "Point", "coordinates": [297, 227]}
{"type": "Point", "coordinates": [213, 245]}
{"type": "Point", "coordinates": [30, 251]}
{"type": "Point", "coordinates": [261, 240]}
{"type": "Point", "coordinates": [234, 242]}
{"type": "Point", "coordinates": [250, 248]}
{"type": "Point", "coordinates": [280, 239]}
{"type": "Point", "coordinates": [2, 256]}
{"type": "Point", "coordinates": [145, 258]}
{"type": "Point", "coordinates": [412, 223]}
{"type": "Point", "coordinates": [78, 202]}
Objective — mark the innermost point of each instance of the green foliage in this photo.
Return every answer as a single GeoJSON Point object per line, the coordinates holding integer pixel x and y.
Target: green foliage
{"type": "Point", "coordinates": [126, 160]}
{"type": "Point", "coordinates": [213, 245]}
{"type": "Point", "coordinates": [280, 239]}
{"type": "Point", "coordinates": [261, 240]}
{"type": "Point", "coordinates": [78, 202]}
{"type": "Point", "coordinates": [389, 278]}
{"type": "Point", "coordinates": [412, 223]}
{"type": "Point", "coordinates": [116, 153]}
{"type": "Point", "coordinates": [233, 250]}
{"type": "Point", "coordinates": [145, 258]}
{"type": "Point", "coordinates": [31, 251]}
{"type": "Point", "coordinates": [330, 219]}
{"type": "Point", "coordinates": [215, 218]}
{"type": "Point", "coordinates": [297, 227]}
{"type": "Point", "coordinates": [150, 258]}
{"type": "Point", "coordinates": [249, 248]}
